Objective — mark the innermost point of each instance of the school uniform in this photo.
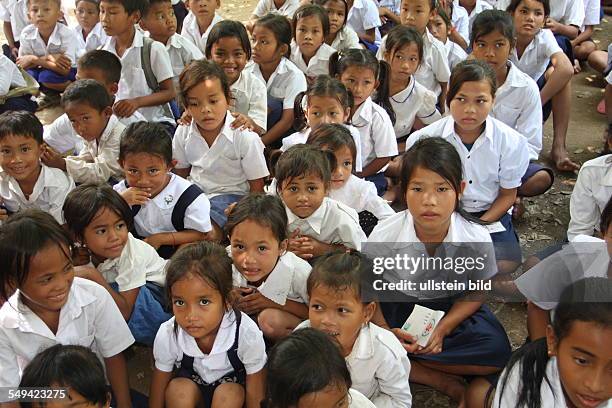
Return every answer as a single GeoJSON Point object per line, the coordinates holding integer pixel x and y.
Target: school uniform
{"type": "Point", "coordinates": [287, 281]}
{"type": "Point", "coordinates": [16, 13]}
{"type": "Point", "coordinates": [267, 6]}
{"type": "Point", "coordinates": [238, 351]}
{"type": "Point", "coordinates": [591, 193]}
{"type": "Point", "coordinates": [12, 78]}
{"type": "Point", "coordinates": [98, 161]}
{"type": "Point", "coordinates": [414, 101]}
{"type": "Point", "coordinates": [94, 40]}
{"type": "Point", "coordinates": [456, 54]}
{"type": "Point", "coordinates": [358, 400]}
{"type": "Point", "coordinates": [249, 97]}
{"type": "Point", "coordinates": [89, 318]}
{"type": "Point", "coordinates": [570, 12]}
{"type": "Point", "coordinates": [48, 195]}
{"type": "Point", "coordinates": [133, 83]}
{"type": "Point", "coordinates": [223, 169]}
{"type": "Point", "coordinates": [191, 30]}
{"type": "Point", "coordinates": [318, 64]}
{"type": "Point", "coordinates": [346, 38]}
{"type": "Point", "coordinates": [592, 13]}
{"type": "Point", "coordinates": [364, 16]}
{"type": "Point", "coordinates": [332, 223]}
{"type": "Point", "coordinates": [480, 6]}
{"type": "Point", "coordinates": [181, 51]}
{"type": "Point", "coordinates": [461, 22]}
{"type": "Point", "coordinates": [360, 195]}
{"type": "Point", "coordinates": [536, 57]}
{"type": "Point", "coordinates": [379, 367]}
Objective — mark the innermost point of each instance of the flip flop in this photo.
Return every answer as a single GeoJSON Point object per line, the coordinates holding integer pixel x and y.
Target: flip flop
{"type": "Point", "coordinates": [601, 107]}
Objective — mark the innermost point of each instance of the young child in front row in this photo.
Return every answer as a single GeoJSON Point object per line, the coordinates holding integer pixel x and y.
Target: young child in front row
{"type": "Point", "coordinates": [168, 210]}
{"type": "Point", "coordinates": [362, 74]}
{"type": "Point", "coordinates": [89, 32]}
{"type": "Point", "coordinates": [220, 350]}
{"type": "Point", "coordinates": [494, 155]}
{"type": "Point", "coordinates": [225, 163]}
{"type": "Point", "coordinates": [441, 27]}
{"type": "Point", "coordinates": [51, 305]}
{"type": "Point", "coordinates": [24, 181]}
{"type": "Point", "coordinates": [270, 281]}
{"type": "Point", "coordinates": [88, 106]}
{"type": "Point", "coordinates": [468, 340]}
{"type": "Point", "coordinates": [377, 362]}
{"type": "Point", "coordinates": [312, 355]}
{"type": "Point", "coordinates": [271, 51]}
{"type": "Point", "coordinates": [341, 37]}
{"type": "Point", "coordinates": [201, 18]}
{"type": "Point", "coordinates": [128, 268]}
{"type": "Point", "coordinates": [317, 224]}
{"type": "Point", "coordinates": [309, 51]}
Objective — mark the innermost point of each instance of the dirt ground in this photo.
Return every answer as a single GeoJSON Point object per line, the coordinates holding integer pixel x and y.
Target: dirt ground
{"type": "Point", "coordinates": [545, 221]}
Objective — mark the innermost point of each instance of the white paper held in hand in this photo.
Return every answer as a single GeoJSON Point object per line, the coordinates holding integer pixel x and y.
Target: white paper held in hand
{"type": "Point", "coordinates": [421, 323]}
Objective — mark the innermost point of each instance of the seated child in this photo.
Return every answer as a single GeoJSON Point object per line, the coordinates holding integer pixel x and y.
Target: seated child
{"type": "Point", "coordinates": [583, 44]}
{"type": "Point", "coordinates": [129, 269]}
{"type": "Point", "coordinates": [88, 106]}
{"type": "Point", "coordinates": [317, 224]}
{"type": "Point", "coordinates": [11, 78]}
{"type": "Point", "coordinates": [441, 27]}
{"type": "Point", "coordinates": [220, 349]}
{"type": "Point", "coordinates": [377, 361]}
{"type": "Point", "coordinates": [364, 19]}
{"type": "Point", "coordinates": [270, 281]}
{"type": "Point", "coordinates": [473, 8]}
{"type": "Point", "coordinates": [341, 37]}
{"type": "Point", "coordinates": [225, 163]}
{"type": "Point", "coordinates": [14, 14]}
{"type": "Point", "coordinates": [168, 210]}
{"type": "Point", "coordinates": [201, 18]}
{"type": "Point", "coordinates": [285, 8]}
{"type": "Point", "coordinates": [51, 306]}
{"type": "Point", "coordinates": [24, 181]}
{"type": "Point", "coordinates": [312, 354]}
{"type": "Point", "coordinates": [460, 22]}
{"type": "Point", "coordinates": [89, 32]}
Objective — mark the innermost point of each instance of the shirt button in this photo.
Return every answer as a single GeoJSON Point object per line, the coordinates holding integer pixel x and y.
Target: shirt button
{"type": "Point", "coordinates": [470, 181]}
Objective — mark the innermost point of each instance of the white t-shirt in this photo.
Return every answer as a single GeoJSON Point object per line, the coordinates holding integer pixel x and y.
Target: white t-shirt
{"type": "Point", "coordinates": [536, 57]}
{"type": "Point", "coordinates": [480, 6]}
{"type": "Point", "coordinates": [191, 30]}
{"type": "Point", "coordinates": [461, 22]}
{"type": "Point", "coordinates": [376, 131]}
{"type": "Point", "coordinates": [62, 41]}
{"type": "Point", "coordinates": [16, 13]}
{"type": "Point", "coordinates": [181, 52]}
{"type": "Point", "coordinates": [318, 64]}
{"type": "Point", "coordinates": [361, 195]}
{"type": "Point", "coordinates": [592, 14]}
{"type": "Point", "coordinates": [456, 54]}
{"type": "Point", "coordinates": [346, 38]}
{"type": "Point", "coordinates": [284, 84]}
{"type": "Point", "coordinates": [414, 101]}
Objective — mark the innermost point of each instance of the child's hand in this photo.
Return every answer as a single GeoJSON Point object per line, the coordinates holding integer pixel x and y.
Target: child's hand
{"type": "Point", "coordinates": [408, 342]}
{"type": "Point", "coordinates": [435, 343]}
{"type": "Point", "coordinates": [60, 60]}
{"type": "Point", "coordinates": [185, 119]}
{"type": "Point", "coordinates": [551, 24]}
{"type": "Point", "coordinates": [155, 240]}
{"type": "Point", "coordinates": [26, 61]}
{"type": "Point", "coordinates": [53, 158]}
{"type": "Point", "coordinates": [90, 273]}
{"type": "Point", "coordinates": [125, 107]}
{"type": "Point", "coordinates": [136, 196]}
{"type": "Point", "coordinates": [80, 256]}
{"type": "Point", "coordinates": [14, 51]}
{"type": "Point", "coordinates": [254, 303]}
{"type": "Point", "coordinates": [300, 245]}
{"type": "Point", "coordinates": [242, 122]}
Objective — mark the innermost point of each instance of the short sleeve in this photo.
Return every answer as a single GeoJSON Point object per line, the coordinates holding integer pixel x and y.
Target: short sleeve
{"type": "Point", "coordinates": [25, 46]}
{"type": "Point", "coordinates": [351, 39]}
{"type": "Point", "coordinates": [58, 195]}
{"type": "Point", "coordinates": [197, 215]}
{"type": "Point", "coordinates": [575, 13]}
{"type": "Point", "coordinates": [584, 212]}
{"type": "Point", "coordinates": [551, 47]}
{"type": "Point", "coordinates": [86, 167]}
{"type": "Point", "coordinates": [349, 230]}
{"type": "Point", "coordinates": [513, 162]}
{"type": "Point", "coordinates": [373, 203]}
{"type": "Point", "coordinates": [160, 62]}
{"type": "Point", "coordinates": [592, 12]}
{"type": "Point", "coordinates": [463, 27]}
{"type": "Point", "coordinates": [440, 62]}
{"type": "Point", "coordinates": [529, 123]}
{"type": "Point", "coordinates": [252, 157]}
{"type": "Point", "coordinates": [178, 147]}
{"type": "Point", "coordinates": [262, 8]}
{"type": "Point", "coordinates": [5, 15]}
{"type": "Point", "coordinates": [609, 78]}
{"type": "Point", "coordinates": [7, 68]}
{"type": "Point", "coordinates": [385, 142]}
{"type": "Point", "coordinates": [370, 17]}
{"type": "Point", "coordinates": [392, 377]}
{"type": "Point", "coordinates": [294, 85]}
{"type": "Point", "coordinates": [70, 41]}
{"type": "Point", "coordinates": [251, 347]}
{"type": "Point", "coordinates": [112, 334]}
{"type": "Point", "coordinates": [165, 347]}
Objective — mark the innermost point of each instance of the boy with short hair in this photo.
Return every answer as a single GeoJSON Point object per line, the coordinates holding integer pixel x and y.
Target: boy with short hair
{"type": "Point", "coordinates": [201, 18]}
{"type": "Point", "coordinates": [24, 181]}
{"type": "Point", "coordinates": [89, 31]}
{"type": "Point", "coordinates": [89, 108]}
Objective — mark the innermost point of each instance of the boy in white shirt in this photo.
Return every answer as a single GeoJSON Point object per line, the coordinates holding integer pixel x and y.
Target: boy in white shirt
{"type": "Point", "coordinates": [14, 14]}
{"type": "Point", "coordinates": [473, 8]}
{"type": "Point", "coordinates": [201, 18]}
{"type": "Point", "coordinates": [89, 31]}
{"type": "Point", "coordinates": [24, 181]}
{"type": "Point", "coordinates": [283, 7]}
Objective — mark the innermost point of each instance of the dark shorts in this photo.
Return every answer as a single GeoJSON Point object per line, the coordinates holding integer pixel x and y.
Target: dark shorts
{"type": "Point", "coordinates": [43, 75]}
{"type": "Point", "coordinates": [379, 181]}
{"type": "Point", "coordinates": [507, 246]}
{"type": "Point", "coordinates": [533, 168]}
{"type": "Point", "coordinates": [19, 103]}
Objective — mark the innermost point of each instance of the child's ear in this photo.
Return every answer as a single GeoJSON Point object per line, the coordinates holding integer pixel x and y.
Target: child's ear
{"type": "Point", "coordinates": [462, 187]}
{"type": "Point", "coordinates": [172, 164]}
{"type": "Point", "coordinates": [347, 113]}
{"type": "Point", "coordinates": [283, 246]}
{"type": "Point", "coordinates": [551, 341]}
{"type": "Point", "coordinates": [135, 16]}
{"type": "Point", "coordinates": [284, 49]}
{"type": "Point", "coordinates": [368, 312]}
{"type": "Point", "coordinates": [218, 4]}
{"type": "Point", "coordinates": [108, 111]}
{"type": "Point", "coordinates": [143, 25]}
{"type": "Point", "coordinates": [114, 88]}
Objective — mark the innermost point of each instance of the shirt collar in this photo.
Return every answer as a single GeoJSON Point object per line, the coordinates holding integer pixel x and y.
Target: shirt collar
{"type": "Point", "coordinates": [316, 218]}
{"type": "Point", "coordinates": [241, 84]}
{"type": "Point", "coordinates": [408, 237]}
{"type": "Point", "coordinates": [54, 38]}
{"type": "Point", "coordinates": [449, 129]}
{"type": "Point", "coordinates": [365, 110]}
{"type": "Point", "coordinates": [108, 130]}
{"type": "Point", "coordinates": [363, 349]}
{"type": "Point", "coordinates": [226, 130]}
{"type": "Point", "coordinates": [403, 95]}
{"type": "Point", "coordinates": [45, 179]}
{"type": "Point", "coordinates": [174, 42]}
{"type": "Point", "coordinates": [514, 78]}
{"type": "Point", "coordinates": [223, 341]}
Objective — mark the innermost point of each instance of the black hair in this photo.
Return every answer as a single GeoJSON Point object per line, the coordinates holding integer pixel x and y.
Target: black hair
{"type": "Point", "coordinates": [432, 4]}
{"type": "Point", "coordinates": [301, 160]}
{"type": "Point", "coordinates": [94, 2]}
{"type": "Point", "coordinates": [131, 6]}
{"type": "Point", "coordinates": [441, 157]}
{"type": "Point", "coordinates": [206, 260]}
{"type": "Point", "coordinates": [309, 10]}
{"type": "Point", "coordinates": [515, 3]}
{"type": "Point", "coordinates": [105, 61]}
{"type": "Point", "coordinates": [280, 27]}
{"type": "Point", "coordinates": [304, 362]}
{"type": "Point", "coordinates": [606, 218]}
{"type": "Point", "coordinates": [21, 123]}
{"type": "Point", "coordinates": [401, 36]}
{"type": "Point", "coordinates": [266, 210]}
{"type": "Point", "coordinates": [586, 300]}
{"type": "Point", "coordinates": [196, 72]}
{"type": "Point", "coordinates": [443, 14]}
{"type": "Point", "coordinates": [57, 2]}
{"type": "Point", "coordinates": [23, 236]}
{"type": "Point", "coordinates": [150, 3]}
{"type": "Point", "coordinates": [228, 28]}
{"type": "Point", "coordinates": [470, 71]}
{"type": "Point", "coordinates": [490, 21]}
{"type": "Point", "coordinates": [146, 137]}
{"type": "Point", "coordinates": [69, 366]}
{"type": "Point", "coordinates": [341, 60]}
{"type": "Point", "coordinates": [333, 137]}
{"type": "Point", "coordinates": [85, 201]}
{"type": "Point", "coordinates": [322, 3]}
{"type": "Point", "coordinates": [88, 91]}
{"type": "Point", "coordinates": [324, 86]}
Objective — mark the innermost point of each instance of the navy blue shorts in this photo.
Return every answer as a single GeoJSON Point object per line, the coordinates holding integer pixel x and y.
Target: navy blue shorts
{"type": "Point", "coordinates": [43, 75]}
{"type": "Point", "coordinates": [507, 246]}
{"type": "Point", "coordinates": [379, 181]}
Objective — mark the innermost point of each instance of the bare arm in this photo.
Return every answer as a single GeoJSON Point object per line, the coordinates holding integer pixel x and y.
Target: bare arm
{"type": "Point", "coordinates": [561, 75]}
{"type": "Point", "coordinates": [501, 205]}
{"type": "Point", "coordinates": [369, 35]}
{"type": "Point", "coordinates": [116, 370]}
{"type": "Point", "coordinates": [374, 166]}
{"type": "Point", "coordinates": [280, 128]}
{"type": "Point", "coordinates": [255, 386]}
{"type": "Point", "coordinates": [257, 185]}
{"type": "Point", "coordinates": [537, 321]}
{"type": "Point", "coordinates": [159, 383]}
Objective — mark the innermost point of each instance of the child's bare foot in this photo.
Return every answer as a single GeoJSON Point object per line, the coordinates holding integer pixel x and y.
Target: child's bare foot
{"type": "Point", "coordinates": [577, 67]}
{"type": "Point", "coordinates": [562, 160]}
{"type": "Point", "coordinates": [519, 209]}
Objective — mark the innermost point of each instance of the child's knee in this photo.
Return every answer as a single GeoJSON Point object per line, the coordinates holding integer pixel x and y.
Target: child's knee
{"type": "Point", "coordinates": [271, 324]}
{"type": "Point", "coordinates": [228, 395]}
{"type": "Point", "coordinates": [182, 392]}
{"type": "Point", "coordinates": [479, 393]}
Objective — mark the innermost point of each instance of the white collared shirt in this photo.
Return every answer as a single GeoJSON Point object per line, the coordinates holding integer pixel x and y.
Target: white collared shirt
{"type": "Point", "coordinates": [376, 130]}
{"type": "Point", "coordinates": [89, 318]}
{"type": "Point", "coordinates": [170, 346]}
{"type": "Point", "coordinates": [250, 97]}
{"type": "Point", "coordinates": [361, 195]}
{"type": "Point", "coordinates": [379, 367]}
{"type": "Point", "coordinates": [11, 76]}
{"type": "Point", "coordinates": [181, 52]}
{"type": "Point", "coordinates": [591, 193]}
{"type": "Point", "coordinates": [518, 105]}
{"type": "Point", "coordinates": [461, 22]}
{"type": "Point", "coordinates": [95, 39]}
{"type": "Point", "coordinates": [364, 16]}
{"type": "Point", "coordinates": [332, 223]}
{"type": "Point", "coordinates": [570, 12]}
{"type": "Point", "coordinates": [536, 57]}
{"type": "Point", "coordinates": [456, 54]}
{"type": "Point", "coordinates": [284, 84]}
{"type": "Point", "coordinates": [235, 157]}
{"type": "Point", "coordinates": [62, 41]}
{"type": "Point", "coordinates": [358, 400]}
{"type": "Point", "coordinates": [414, 101]}
{"type": "Point", "coordinates": [98, 162]}
{"type": "Point", "coordinates": [191, 30]}
{"type": "Point", "coordinates": [267, 6]}
{"type": "Point", "coordinates": [287, 281]}
{"type": "Point", "coordinates": [133, 83]}
{"type": "Point", "coordinates": [318, 64]}
{"type": "Point", "coordinates": [346, 38]}
{"type": "Point", "coordinates": [498, 159]}
{"type": "Point", "coordinates": [138, 264]}
{"type": "Point", "coordinates": [155, 216]}
{"type": "Point", "coordinates": [48, 195]}
{"type": "Point", "coordinates": [16, 13]}
{"type": "Point", "coordinates": [480, 6]}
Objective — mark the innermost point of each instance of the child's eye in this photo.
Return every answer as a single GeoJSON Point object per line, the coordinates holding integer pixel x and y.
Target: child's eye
{"type": "Point", "coordinates": [204, 302]}
{"type": "Point", "coordinates": [416, 189]}
{"type": "Point", "coordinates": [5, 151]}
{"type": "Point", "coordinates": [442, 189]}
{"type": "Point", "coordinates": [25, 149]}
{"type": "Point", "coordinates": [312, 189]}
{"type": "Point", "coordinates": [133, 172]}
{"type": "Point", "coordinates": [101, 231]}
{"type": "Point", "coordinates": [293, 189]}
{"type": "Point", "coordinates": [239, 247]}
{"type": "Point", "coordinates": [262, 248]}
{"type": "Point", "coordinates": [316, 307]}
{"type": "Point", "coordinates": [348, 164]}
{"type": "Point", "coordinates": [460, 99]}
{"type": "Point", "coordinates": [581, 361]}
{"type": "Point", "coordinates": [179, 303]}
{"type": "Point", "coordinates": [120, 225]}
{"type": "Point", "coordinates": [343, 310]}
{"type": "Point", "coordinates": [153, 172]}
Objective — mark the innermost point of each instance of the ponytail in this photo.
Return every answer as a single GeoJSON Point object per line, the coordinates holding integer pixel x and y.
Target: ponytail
{"type": "Point", "coordinates": [382, 93]}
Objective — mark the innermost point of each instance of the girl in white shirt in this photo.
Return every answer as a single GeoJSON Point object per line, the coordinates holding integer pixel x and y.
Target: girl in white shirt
{"type": "Point", "coordinates": [306, 369]}
{"type": "Point", "coordinates": [270, 282]}
{"type": "Point", "coordinates": [129, 269]}
{"type": "Point", "coordinates": [309, 52]}
{"type": "Point", "coordinates": [341, 37]}
{"type": "Point", "coordinates": [220, 351]}
{"type": "Point", "coordinates": [441, 27]}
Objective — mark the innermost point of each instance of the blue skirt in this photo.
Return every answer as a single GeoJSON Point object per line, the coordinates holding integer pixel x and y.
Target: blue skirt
{"type": "Point", "coordinates": [218, 205]}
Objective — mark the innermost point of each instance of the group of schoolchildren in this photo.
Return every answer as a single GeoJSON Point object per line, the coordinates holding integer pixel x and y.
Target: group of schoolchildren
{"type": "Point", "coordinates": [208, 194]}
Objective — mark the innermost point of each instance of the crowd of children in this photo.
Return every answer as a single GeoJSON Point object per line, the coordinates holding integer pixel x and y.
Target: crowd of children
{"type": "Point", "coordinates": [211, 185]}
